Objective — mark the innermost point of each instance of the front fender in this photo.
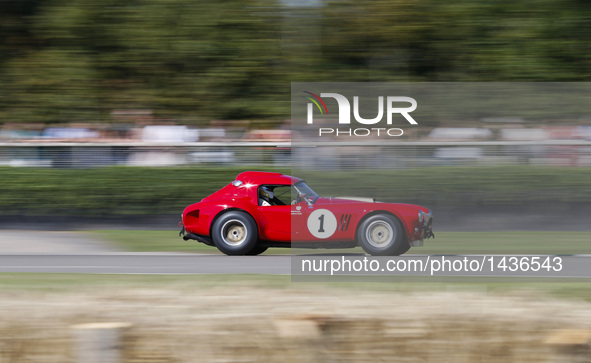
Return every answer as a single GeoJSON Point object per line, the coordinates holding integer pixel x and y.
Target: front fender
{"type": "Point", "coordinates": [407, 214]}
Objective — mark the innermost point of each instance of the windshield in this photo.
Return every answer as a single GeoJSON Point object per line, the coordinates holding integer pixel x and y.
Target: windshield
{"type": "Point", "coordinates": [302, 190]}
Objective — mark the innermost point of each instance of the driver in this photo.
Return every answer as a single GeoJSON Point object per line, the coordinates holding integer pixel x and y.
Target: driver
{"type": "Point", "coordinates": [265, 197]}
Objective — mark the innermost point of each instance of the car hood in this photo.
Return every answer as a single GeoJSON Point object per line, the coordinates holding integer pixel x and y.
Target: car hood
{"type": "Point", "coordinates": [358, 201]}
{"type": "Point", "coordinates": [351, 199]}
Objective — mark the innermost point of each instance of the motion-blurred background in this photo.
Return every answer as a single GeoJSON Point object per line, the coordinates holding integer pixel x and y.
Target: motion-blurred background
{"type": "Point", "coordinates": [205, 85]}
{"type": "Point", "coordinates": [121, 113]}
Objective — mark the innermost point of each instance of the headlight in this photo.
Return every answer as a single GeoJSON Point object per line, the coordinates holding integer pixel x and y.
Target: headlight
{"type": "Point", "coordinates": [424, 217]}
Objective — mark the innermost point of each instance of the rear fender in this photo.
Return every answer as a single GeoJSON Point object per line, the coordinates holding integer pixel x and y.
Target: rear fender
{"type": "Point", "coordinates": [235, 208]}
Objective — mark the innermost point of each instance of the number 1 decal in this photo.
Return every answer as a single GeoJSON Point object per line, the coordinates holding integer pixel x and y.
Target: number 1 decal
{"type": "Point", "coordinates": [322, 223]}
{"type": "Point", "coordinates": [321, 219]}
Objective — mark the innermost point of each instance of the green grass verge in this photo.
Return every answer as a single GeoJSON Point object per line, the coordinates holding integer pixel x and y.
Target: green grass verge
{"type": "Point", "coordinates": [82, 283]}
{"type": "Point", "coordinates": [445, 243]}
{"type": "Point", "coordinates": [77, 282]}
{"type": "Point", "coordinates": [507, 243]}
{"type": "Point", "coordinates": [150, 241]}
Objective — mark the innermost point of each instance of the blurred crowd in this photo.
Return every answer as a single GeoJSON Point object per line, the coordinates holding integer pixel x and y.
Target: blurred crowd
{"type": "Point", "coordinates": [148, 130]}
{"type": "Point", "coordinates": [152, 142]}
{"type": "Point", "coordinates": [168, 68]}
{"type": "Point", "coordinates": [138, 126]}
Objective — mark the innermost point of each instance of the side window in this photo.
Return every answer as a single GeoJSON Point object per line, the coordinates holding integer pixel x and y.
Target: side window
{"type": "Point", "coordinates": [274, 195]}
{"type": "Point", "coordinates": [283, 194]}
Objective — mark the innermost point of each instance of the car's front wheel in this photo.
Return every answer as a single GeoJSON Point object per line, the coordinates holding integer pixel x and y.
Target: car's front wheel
{"type": "Point", "coordinates": [382, 235]}
{"type": "Point", "coordinates": [235, 233]}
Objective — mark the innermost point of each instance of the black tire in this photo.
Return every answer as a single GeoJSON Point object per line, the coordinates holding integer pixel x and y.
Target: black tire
{"type": "Point", "coordinates": [403, 249]}
{"type": "Point", "coordinates": [235, 233]}
{"type": "Point", "coordinates": [382, 235]}
{"type": "Point", "coordinates": [257, 250]}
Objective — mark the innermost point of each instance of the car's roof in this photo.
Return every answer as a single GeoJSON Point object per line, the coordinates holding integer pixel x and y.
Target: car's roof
{"type": "Point", "coordinates": [263, 177]}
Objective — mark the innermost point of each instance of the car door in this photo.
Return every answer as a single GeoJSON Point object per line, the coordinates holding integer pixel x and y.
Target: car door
{"type": "Point", "coordinates": [313, 222]}
{"type": "Point", "coordinates": [277, 226]}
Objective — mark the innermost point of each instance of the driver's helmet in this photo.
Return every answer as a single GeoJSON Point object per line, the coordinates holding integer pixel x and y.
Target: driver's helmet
{"type": "Point", "coordinates": [267, 194]}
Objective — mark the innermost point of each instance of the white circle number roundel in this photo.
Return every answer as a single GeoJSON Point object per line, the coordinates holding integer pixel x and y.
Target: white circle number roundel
{"type": "Point", "coordinates": [322, 223]}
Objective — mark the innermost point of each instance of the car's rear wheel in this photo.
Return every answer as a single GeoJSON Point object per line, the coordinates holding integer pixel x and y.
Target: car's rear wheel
{"type": "Point", "coordinates": [382, 235]}
{"type": "Point", "coordinates": [235, 233]}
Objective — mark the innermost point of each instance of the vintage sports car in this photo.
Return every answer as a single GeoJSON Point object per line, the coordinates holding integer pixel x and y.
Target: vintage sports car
{"type": "Point", "coordinates": [261, 209]}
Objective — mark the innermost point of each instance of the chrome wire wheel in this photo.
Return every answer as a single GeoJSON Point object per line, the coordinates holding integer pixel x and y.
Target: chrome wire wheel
{"type": "Point", "coordinates": [380, 234]}
{"type": "Point", "coordinates": [234, 232]}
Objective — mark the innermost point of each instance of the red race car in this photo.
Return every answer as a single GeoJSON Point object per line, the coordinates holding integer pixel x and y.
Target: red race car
{"type": "Point", "coordinates": [260, 210]}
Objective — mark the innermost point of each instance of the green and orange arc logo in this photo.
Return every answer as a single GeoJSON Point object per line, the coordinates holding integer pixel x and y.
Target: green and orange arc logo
{"type": "Point", "coordinates": [315, 100]}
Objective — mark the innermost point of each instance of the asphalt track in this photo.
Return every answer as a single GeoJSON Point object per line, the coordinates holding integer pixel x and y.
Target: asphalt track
{"type": "Point", "coordinates": [74, 252]}
{"type": "Point", "coordinates": [71, 252]}
{"type": "Point", "coordinates": [183, 263]}
{"type": "Point", "coordinates": [146, 263]}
